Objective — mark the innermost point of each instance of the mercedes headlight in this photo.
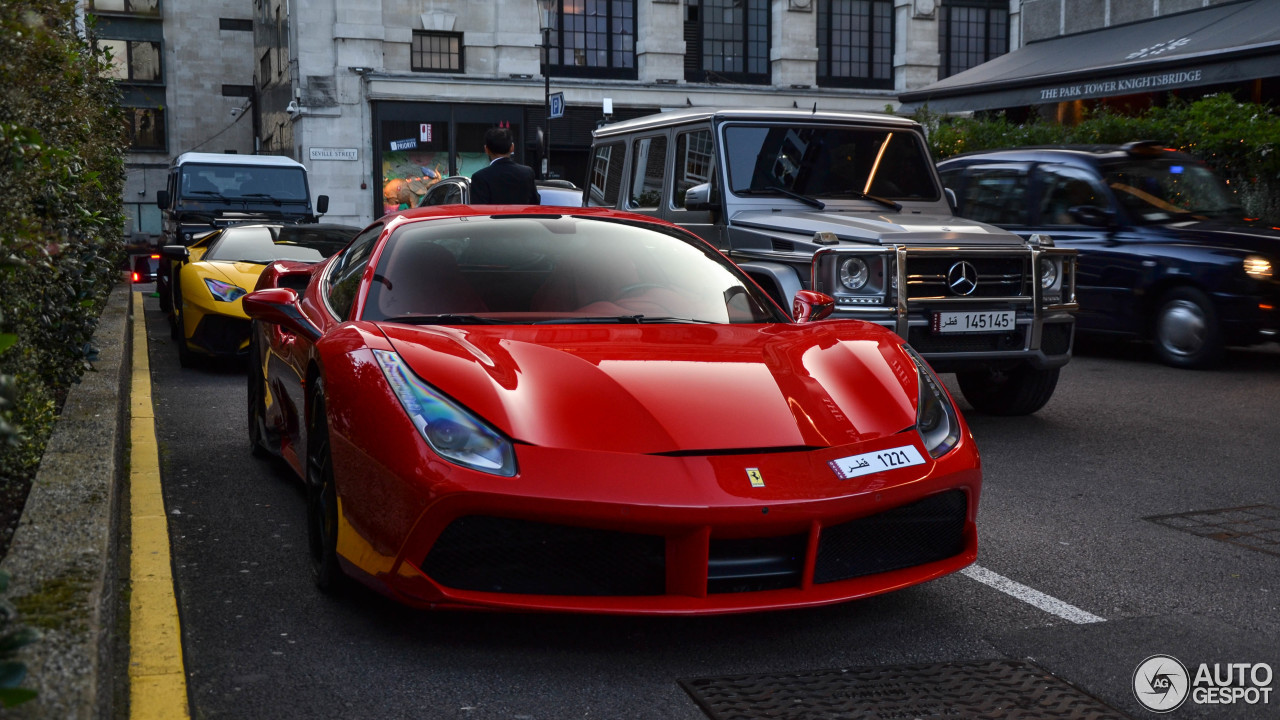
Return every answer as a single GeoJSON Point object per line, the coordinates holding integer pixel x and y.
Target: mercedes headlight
{"type": "Point", "coordinates": [224, 291]}
{"type": "Point", "coordinates": [936, 419]}
{"type": "Point", "coordinates": [1048, 273]}
{"type": "Point", "coordinates": [1257, 266]}
{"type": "Point", "coordinates": [454, 433]}
{"type": "Point", "coordinates": [854, 273]}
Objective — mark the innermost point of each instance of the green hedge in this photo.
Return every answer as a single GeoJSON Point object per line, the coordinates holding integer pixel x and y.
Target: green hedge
{"type": "Point", "coordinates": [62, 149]}
{"type": "Point", "coordinates": [1239, 140]}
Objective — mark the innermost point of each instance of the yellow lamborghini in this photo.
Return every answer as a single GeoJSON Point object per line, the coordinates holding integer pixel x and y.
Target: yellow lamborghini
{"type": "Point", "coordinates": [210, 277]}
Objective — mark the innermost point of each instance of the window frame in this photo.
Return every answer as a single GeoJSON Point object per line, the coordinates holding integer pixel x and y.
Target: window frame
{"type": "Point", "coordinates": [417, 54]}
{"type": "Point", "coordinates": [945, 37]}
{"type": "Point", "coordinates": [612, 70]}
{"type": "Point", "coordinates": [696, 69]}
{"type": "Point", "coordinates": [865, 39]}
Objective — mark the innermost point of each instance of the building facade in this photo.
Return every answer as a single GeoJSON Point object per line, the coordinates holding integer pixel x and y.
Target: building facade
{"type": "Point", "coordinates": [380, 99]}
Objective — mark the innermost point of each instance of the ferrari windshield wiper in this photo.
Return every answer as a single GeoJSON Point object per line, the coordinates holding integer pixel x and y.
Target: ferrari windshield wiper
{"type": "Point", "coordinates": [446, 319]}
{"type": "Point", "coordinates": [621, 319]}
{"type": "Point", "coordinates": [867, 196]}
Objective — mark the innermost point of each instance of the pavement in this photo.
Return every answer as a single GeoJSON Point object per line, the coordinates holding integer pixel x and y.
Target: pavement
{"type": "Point", "coordinates": [89, 560]}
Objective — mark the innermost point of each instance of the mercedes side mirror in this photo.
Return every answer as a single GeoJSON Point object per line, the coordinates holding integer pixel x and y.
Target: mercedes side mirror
{"type": "Point", "coordinates": [701, 197]}
{"type": "Point", "coordinates": [811, 306]}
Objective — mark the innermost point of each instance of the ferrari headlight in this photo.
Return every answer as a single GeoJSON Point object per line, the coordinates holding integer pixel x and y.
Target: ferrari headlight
{"type": "Point", "coordinates": [854, 273]}
{"type": "Point", "coordinates": [1048, 273]}
{"type": "Point", "coordinates": [1257, 266]}
{"type": "Point", "coordinates": [223, 291]}
{"type": "Point", "coordinates": [454, 433]}
{"type": "Point", "coordinates": [936, 419]}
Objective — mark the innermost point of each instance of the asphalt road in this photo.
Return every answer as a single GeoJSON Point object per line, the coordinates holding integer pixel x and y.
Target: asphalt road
{"type": "Point", "coordinates": [1064, 512]}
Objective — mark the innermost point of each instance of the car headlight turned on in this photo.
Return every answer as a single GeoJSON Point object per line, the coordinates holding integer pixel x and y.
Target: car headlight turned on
{"type": "Point", "coordinates": [936, 419]}
{"type": "Point", "coordinates": [455, 434]}
{"type": "Point", "coordinates": [1257, 266]}
{"type": "Point", "coordinates": [223, 291]}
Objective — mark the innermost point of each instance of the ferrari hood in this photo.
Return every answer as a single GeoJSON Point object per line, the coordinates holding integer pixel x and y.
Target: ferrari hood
{"type": "Point", "coordinates": [886, 228]}
{"type": "Point", "coordinates": [671, 388]}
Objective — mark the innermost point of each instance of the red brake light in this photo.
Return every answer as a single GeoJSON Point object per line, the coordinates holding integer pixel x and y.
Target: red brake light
{"type": "Point", "coordinates": [135, 277]}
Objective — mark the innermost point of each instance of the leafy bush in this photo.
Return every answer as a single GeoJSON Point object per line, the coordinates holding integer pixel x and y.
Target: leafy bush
{"type": "Point", "coordinates": [13, 637]}
{"type": "Point", "coordinates": [61, 223]}
{"type": "Point", "coordinates": [1241, 141]}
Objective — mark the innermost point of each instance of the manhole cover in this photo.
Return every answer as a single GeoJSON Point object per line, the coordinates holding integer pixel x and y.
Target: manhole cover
{"type": "Point", "coordinates": [983, 689]}
{"type": "Point", "coordinates": [1256, 527]}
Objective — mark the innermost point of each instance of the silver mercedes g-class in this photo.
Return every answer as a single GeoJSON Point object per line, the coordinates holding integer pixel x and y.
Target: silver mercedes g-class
{"type": "Point", "coordinates": [850, 205]}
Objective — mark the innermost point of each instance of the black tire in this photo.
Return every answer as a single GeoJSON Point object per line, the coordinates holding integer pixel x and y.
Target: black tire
{"type": "Point", "coordinates": [322, 500]}
{"type": "Point", "coordinates": [1185, 330]}
{"type": "Point", "coordinates": [258, 444]}
{"type": "Point", "coordinates": [1020, 390]}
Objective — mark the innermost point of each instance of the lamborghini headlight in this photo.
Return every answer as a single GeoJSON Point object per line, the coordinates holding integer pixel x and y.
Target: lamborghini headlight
{"type": "Point", "coordinates": [936, 419]}
{"type": "Point", "coordinates": [224, 291]}
{"type": "Point", "coordinates": [454, 433]}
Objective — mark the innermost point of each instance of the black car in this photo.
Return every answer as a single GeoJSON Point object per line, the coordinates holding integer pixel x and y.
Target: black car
{"type": "Point", "coordinates": [1166, 253]}
{"type": "Point", "coordinates": [456, 189]}
{"type": "Point", "coordinates": [144, 268]}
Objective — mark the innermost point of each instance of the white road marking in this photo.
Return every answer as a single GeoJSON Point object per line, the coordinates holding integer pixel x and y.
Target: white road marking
{"type": "Point", "coordinates": [1030, 596]}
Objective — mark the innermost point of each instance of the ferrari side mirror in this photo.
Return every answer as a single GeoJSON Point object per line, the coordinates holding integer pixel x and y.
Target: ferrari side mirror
{"type": "Point", "coordinates": [280, 306]}
{"type": "Point", "coordinates": [811, 305]}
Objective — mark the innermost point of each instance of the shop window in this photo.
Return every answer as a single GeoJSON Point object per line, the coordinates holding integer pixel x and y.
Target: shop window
{"type": "Point", "coordinates": [970, 33]}
{"type": "Point", "coordinates": [855, 43]}
{"type": "Point", "coordinates": [727, 41]}
{"type": "Point", "coordinates": [149, 8]}
{"type": "Point", "coordinates": [133, 60]}
{"type": "Point", "coordinates": [145, 128]}
{"type": "Point", "coordinates": [594, 38]}
{"type": "Point", "coordinates": [436, 52]}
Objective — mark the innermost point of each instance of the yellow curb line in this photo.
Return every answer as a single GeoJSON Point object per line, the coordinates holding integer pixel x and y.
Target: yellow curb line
{"type": "Point", "coordinates": [157, 678]}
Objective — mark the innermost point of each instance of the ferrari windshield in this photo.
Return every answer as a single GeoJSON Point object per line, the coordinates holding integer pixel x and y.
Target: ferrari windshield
{"type": "Point", "coordinates": [828, 162]}
{"type": "Point", "coordinates": [1164, 190]}
{"type": "Point", "coordinates": [267, 243]}
{"type": "Point", "coordinates": [526, 269]}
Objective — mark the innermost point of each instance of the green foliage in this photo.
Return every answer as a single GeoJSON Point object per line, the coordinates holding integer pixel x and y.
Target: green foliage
{"type": "Point", "coordinates": [61, 223]}
{"type": "Point", "coordinates": [1241, 141]}
{"type": "Point", "coordinates": [13, 637]}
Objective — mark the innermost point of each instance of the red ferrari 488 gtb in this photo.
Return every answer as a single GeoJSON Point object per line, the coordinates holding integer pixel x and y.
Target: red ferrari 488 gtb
{"type": "Point", "coordinates": [529, 409]}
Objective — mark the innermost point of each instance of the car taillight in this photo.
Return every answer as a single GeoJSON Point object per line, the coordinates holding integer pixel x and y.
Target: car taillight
{"type": "Point", "coordinates": [135, 278]}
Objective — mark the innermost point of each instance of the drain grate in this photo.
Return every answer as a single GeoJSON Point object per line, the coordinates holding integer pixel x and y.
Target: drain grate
{"type": "Point", "coordinates": [1256, 527]}
{"type": "Point", "coordinates": [1009, 689]}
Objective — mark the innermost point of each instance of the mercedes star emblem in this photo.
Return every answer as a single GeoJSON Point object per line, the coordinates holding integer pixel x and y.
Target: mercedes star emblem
{"type": "Point", "coordinates": [962, 278]}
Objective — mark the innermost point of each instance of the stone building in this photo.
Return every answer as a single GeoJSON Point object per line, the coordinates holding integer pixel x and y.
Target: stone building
{"type": "Point", "coordinates": [380, 97]}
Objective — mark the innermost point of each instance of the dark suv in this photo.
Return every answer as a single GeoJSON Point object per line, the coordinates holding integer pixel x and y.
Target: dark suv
{"type": "Point", "coordinates": [1166, 254]}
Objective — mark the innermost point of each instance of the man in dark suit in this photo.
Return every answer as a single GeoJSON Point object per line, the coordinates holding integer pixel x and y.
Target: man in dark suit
{"type": "Point", "coordinates": [504, 181]}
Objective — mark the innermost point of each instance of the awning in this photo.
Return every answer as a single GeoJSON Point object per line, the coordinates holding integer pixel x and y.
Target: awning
{"type": "Point", "coordinates": [1226, 43]}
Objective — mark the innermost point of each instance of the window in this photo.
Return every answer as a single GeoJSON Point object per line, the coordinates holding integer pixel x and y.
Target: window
{"type": "Point", "coordinates": [145, 128]}
{"type": "Point", "coordinates": [606, 175]}
{"type": "Point", "coordinates": [727, 41]}
{"type": "Point", "coordinates": [436, 52]}
{"type": "Point", "coordinates": [345, 273]}
{"type": "Point", "coordinates": [129, 7]}
{"type": "Point", "coordinates": [647, 171]}
{"type": "Point", "coordinates": [694, 163]}
{"type": "Point", "coordinates": [1064, 188]}
{"type": "Point", "coordinates": [972, 32]}
{"type": "Point", "coordinates": [133, 60]}
{"type": "Point", "coordinates": [594, 38]}
{"type": "Point", "coordinates": [855, 43]}
{"type": "Point", "coordinates": [996, 195]}
{"type": "Point", "coordinates": [235, 24]}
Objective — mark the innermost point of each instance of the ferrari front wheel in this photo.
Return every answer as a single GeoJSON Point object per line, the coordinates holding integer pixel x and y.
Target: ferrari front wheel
{"type": "Point", "coordinates": [322, 499]}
